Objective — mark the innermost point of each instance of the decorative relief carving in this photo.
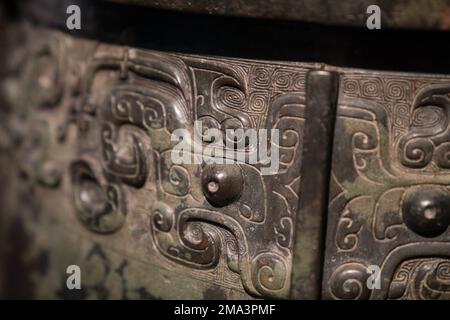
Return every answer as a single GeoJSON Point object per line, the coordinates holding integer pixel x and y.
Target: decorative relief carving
{"type": "Point", "coordinates": [389, 182]}
{"type": "Point", "coordinates": [348, 281]}
{"type": "Point", "coordinates": [40, 89]}
{"type": "Point", "coordinates": [129, 103]}
{"type": "Point", "coordinates": [395, 192]}
{"type": "Point", "coordinates": [421, 279]}
{"type": "Point", "coordinates": [46, 70]}
{"type": "Point", "coordinates": [36, 161]}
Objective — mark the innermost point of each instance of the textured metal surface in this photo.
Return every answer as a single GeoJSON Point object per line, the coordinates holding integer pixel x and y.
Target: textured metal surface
{"type": "Point", "coordinates": [322, 89]}
{"type": "Point", "coordinates": [389, 197]}
{"type": "Point", "coordinates": [417, 14]}
{"type": "Point", "coordinates": [264, 39]}
{"type": "Point", "coordinates": [95, 151]}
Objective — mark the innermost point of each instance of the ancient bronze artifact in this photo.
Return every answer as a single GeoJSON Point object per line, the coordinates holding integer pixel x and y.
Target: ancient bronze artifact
{"type": "Point", "coordinates": [88, 177]}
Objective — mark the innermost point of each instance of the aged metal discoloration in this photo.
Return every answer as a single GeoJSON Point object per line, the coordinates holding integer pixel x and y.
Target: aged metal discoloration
{"type": "Point", "coordinates": [426, 278]}
{"type": "Point", "coordinates": [389, 183]}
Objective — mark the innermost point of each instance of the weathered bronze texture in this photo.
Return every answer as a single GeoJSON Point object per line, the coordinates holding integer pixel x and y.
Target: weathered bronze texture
{"type": "Point", "coordinates": [419, 14]}
{"type": "Point", "coordinates": [321, 99]}
{"type": "Point", "coordinates": [426, 211]}
{"type": "Point", "coordinates": [101, 153]}
{"type": "Point", "coordinates": [389, 198]}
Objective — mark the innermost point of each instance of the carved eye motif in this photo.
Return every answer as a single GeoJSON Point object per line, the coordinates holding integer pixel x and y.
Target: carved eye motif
{"type": "Point", "coordinates": [98, 208]}
{"type": "Point", "coordinates": [426, 211]}
{"type": "Point", "coordinates": [222, 184]}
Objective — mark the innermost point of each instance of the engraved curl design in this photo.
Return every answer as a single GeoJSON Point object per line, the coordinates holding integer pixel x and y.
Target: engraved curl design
{"type": "Point", "coordinates": [193, 241]}
{"type": "Point", "coordinates": [350, 86]}
{"type": "Point", "coordinates": [421, 279]}
{"type": "Point", "coordinates": [348, 282]}
{"type": "Point", "coordinates": [350, 224]}
{"type": "Point", "coordinates": [261, 77]}
{"type": "Point", "coordinates": [231, 97]}
{"type": "Point", "coordinates": [427, 117]}
{"type": "Point", "coordinates": [417, 152]}
{"type": "Point", "coordinates": [258, 101]}
{"type": "Point", "coordinates": [270, 273]}
{"type": "Point", "coordinates": [174, 179]}
{"type": "Point", "coordinates": [287, 115]}
{"type": "Point", "coordinates": [282, 79]}
{"type": "Point", "coordinates": [398, 90]}
{"type": "Point", "coordinates": [371, 87]}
